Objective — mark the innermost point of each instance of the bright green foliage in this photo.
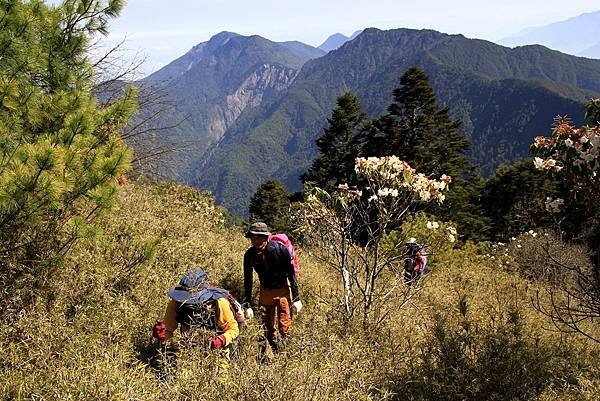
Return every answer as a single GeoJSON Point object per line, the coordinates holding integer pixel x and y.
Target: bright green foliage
{"type": "Point", "coordinates": [339, 145]}
{"type": "Point", "coordinates": [271, 204]}
{"type": "Point", "coordinates": [438, 236]}
{"type": "Point", "coordinates": [60, 152]}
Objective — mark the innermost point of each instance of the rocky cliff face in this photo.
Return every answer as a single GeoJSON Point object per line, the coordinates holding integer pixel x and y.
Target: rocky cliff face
{"type": "Point", "coordinates": [214, 85]}
{"type": "Point", "coordinates": [268, 79]}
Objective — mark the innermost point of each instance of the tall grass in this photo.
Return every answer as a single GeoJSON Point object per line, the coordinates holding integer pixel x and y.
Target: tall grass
{"type": "Point", "coordinates": [471, 333]}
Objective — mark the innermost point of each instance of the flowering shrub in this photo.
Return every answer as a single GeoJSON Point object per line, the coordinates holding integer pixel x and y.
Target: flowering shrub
{"type": "Point", "coordinates": [349, 230]}
{"type": "Point", "coordinates": [574, 152]}
{"type": "Point", "coordinates": [390, 176]}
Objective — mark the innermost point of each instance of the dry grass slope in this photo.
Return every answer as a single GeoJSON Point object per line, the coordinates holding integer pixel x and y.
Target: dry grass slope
{"type": "Point", "coordinates": [470, 334]}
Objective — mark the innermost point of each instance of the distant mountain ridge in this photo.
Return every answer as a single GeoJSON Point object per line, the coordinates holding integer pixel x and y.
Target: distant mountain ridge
{"type": "Point", "coordinates": [503, 96]}
{"type": "Point", "coordinates": [252, 108]}
{"type": "Point", "coordinates": [337, 40]}
{"type": "Point", "coordinates": [214, 83]}
{"type": "Point", "coordinates": [579, 36]}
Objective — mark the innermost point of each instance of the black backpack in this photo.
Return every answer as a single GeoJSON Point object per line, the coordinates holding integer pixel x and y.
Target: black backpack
{"type": "Point", "coordinates": [205, 315]}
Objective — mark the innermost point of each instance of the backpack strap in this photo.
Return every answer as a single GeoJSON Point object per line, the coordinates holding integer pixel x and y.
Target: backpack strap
{"type": "Point", "coordinates": [278, 250]}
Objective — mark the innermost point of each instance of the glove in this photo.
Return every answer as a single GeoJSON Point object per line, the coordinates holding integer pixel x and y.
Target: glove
{"type": "Point", "coordinates": [217, 342]}
{"type": "Point", "coordinates": [159, 330]}
{"type": "Point", "coordinates": [249, 313]}
{"type": "Point", "coordinates": [297, 306]}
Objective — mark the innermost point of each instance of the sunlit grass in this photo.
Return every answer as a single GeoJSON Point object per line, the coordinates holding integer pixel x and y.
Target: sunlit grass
{"type": "Point", "coordinates": [87, 336]}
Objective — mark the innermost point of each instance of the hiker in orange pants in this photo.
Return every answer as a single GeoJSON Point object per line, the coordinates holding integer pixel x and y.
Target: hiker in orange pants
{"type": "Point", "coordinates": [279, 293]}
{"type": "Point", "coordinates": [275, 308]}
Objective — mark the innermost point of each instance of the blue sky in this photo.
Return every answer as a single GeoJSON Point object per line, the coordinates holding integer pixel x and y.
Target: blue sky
{"type": "Point", "coordinates": [161, 31]}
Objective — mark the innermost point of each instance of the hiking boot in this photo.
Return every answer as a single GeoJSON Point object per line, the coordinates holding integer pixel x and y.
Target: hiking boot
{"type": "Point", "coordinates": [280, 345]}
{"type": "Point", "coordinates": [265, 355]}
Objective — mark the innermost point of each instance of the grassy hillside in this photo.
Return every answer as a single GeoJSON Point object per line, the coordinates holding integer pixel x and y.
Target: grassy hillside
{"type": "Point", "coordinates": [470, 334]}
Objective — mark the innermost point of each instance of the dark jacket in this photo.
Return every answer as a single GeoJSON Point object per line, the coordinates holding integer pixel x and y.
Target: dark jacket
{"type": "Point", "coordinates": [274, 268]}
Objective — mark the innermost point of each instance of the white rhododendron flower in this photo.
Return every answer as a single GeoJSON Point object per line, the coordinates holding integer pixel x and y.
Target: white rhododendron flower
{"type": "Point", "coordinates": [569, 142]}
{"type": "Point", "coordinates": [383, 192]}
{"type": "Point", "coordinates": [433, 225]}
{"type": "Point", "coordinates": [389, 177]}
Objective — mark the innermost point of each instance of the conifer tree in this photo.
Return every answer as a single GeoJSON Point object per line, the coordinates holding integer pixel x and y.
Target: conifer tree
{"type": "Point", "coordinates": [339, 145]}
{"type": "Point", "coordinates": [514, 197]}
{"type": "Point", "coordinates": [271, 204]}
{"type": "Point", "coordinates": [418, 131]}
{"type": "Point", "coordinates": [60, 152]}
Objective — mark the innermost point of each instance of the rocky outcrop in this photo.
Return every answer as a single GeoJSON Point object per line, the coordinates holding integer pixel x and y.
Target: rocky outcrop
{"type": "Point", "coordinates": [264, 81]}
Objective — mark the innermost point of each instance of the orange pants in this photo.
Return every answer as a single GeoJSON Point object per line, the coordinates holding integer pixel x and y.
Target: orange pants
{"type": "Point", "coordinates": [275, 305]}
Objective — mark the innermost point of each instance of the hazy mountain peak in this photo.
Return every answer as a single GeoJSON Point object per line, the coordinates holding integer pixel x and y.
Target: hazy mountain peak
{"type": "Point", "coordinates": [184, 63]}
{"type": "Point", "coordinates": [592, 52]}
{"type": "Point", "coordinates": [574, 35]}
{"type": "Point", "coordinates": [302, 50]}
{"type": "Point", "coordinates": [220, 39]}
{"type": "Point", "coordinates": [336, 40]}
{"type": "Point", "coordinates": [333, 42]}
{"type": "Point", "coordinates": [356, 33]}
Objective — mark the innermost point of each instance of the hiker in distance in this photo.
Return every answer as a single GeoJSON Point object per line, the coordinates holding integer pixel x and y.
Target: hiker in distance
{"type": "Point", "coordinates": [272, 262]}
{"type": "Point", "coordinates": [415, 261]}
{"type": "Point", "coordinates": [195, 305]}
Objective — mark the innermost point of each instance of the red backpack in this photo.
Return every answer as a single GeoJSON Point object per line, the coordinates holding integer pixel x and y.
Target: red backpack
{"type": "Point", "coordinates": [285, 241]}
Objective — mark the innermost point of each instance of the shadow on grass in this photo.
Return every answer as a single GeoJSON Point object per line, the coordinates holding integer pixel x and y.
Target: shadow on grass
{"type": "Point", "coordinates": [160, 358]}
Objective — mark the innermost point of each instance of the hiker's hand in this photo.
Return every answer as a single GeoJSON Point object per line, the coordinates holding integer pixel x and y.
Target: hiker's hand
{"type": "Point", "coordinates": [217, 342]}
{"type": "Point", "coordinates": [297, 306]}
{"type": "Point", "coordinates": [159, 330]}
{"type": "Point", "coordinates": [249, 313]}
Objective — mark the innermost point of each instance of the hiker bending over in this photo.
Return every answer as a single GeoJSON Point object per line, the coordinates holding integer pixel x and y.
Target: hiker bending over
{"type": "Point", "coordinates": [195, 304]}
{"type": "Point", "coordinates": [272, 263]}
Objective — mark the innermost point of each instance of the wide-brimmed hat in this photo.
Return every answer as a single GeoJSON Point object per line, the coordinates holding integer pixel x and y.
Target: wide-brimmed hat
{"type": "Point", "coordinates": [193, 289]}
{"type": "Point", "coordinates": [189, 286]}
{"type": "Point", "coordinates": [258, 229]}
